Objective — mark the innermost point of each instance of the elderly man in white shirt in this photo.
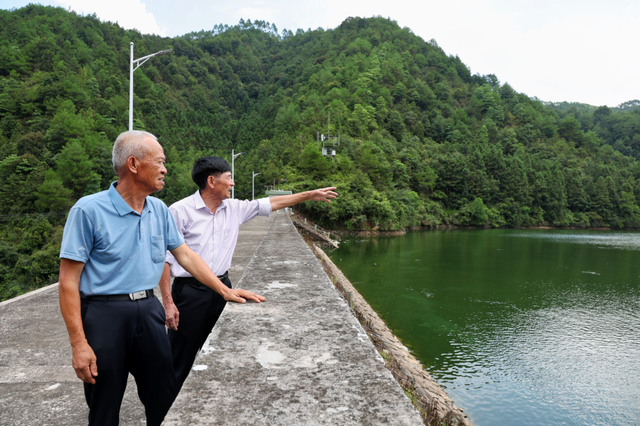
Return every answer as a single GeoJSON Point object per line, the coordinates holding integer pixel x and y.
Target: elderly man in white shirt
{"type": "Point", "coordinates": [209, 221]}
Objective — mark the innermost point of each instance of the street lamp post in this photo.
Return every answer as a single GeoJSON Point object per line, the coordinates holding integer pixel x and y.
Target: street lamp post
{"type": "Point", "coordinates": [253, 185]}
{"type": "Point", "coordinates": [233, 159]}
{"type": "Point", "coordinates": [139, 62]}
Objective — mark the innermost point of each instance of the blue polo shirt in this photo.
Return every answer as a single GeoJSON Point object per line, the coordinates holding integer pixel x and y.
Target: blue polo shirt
{"type": "Point", "coordinates": [123, 250]}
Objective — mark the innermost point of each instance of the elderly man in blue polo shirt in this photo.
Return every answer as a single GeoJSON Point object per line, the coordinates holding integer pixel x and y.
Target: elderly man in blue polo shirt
{"type": "Point", "coordinates": [112, 256]}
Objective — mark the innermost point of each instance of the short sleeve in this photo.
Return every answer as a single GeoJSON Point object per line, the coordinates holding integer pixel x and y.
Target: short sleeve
{"type": "Point", "coordinates": [264, 207]}
{"type": "Point", "coordinates": [171, 260]}
{"type": "Point", "coordinates": [174, 238]}
{"type": "Point", "coordinates": [77, 238]}
{"type": "Point", "coordinates": [247, 210]}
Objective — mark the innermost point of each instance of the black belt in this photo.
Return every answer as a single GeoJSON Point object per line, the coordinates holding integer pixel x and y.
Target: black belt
{"type": "Point", "coordinates": [111, 297]}
{"type": "Point", "coordinates": [192, 280]}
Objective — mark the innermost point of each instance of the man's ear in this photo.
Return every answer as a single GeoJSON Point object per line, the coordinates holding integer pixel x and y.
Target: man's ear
{"type": "Point", "coordinates": [132, 164]}
{"type": "Point", "coordinates": [211, 181]}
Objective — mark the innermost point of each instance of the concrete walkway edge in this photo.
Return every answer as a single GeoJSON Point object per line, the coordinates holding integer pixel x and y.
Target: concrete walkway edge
{"type": "Point", "coordinates": [30, 294]}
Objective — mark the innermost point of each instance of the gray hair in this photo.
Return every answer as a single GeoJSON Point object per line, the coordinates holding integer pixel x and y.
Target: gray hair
{"type": "Point", "coordinates": [129, 144]}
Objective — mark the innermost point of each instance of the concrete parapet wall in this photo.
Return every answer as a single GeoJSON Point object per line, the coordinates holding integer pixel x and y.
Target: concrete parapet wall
{"type": "Point", "coordinates": [29, 295]}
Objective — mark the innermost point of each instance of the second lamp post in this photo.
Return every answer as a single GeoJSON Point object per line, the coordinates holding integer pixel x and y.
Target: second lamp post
{"type": "Point", "coordinates": [233, 159]}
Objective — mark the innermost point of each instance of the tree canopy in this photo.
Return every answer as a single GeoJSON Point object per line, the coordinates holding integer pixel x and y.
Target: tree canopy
{"type": "Point", "coordinates": [423, 141]}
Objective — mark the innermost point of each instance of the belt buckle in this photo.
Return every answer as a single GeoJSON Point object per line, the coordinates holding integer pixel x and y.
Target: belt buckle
{"type": "Point", "coordinates": [138, 295]}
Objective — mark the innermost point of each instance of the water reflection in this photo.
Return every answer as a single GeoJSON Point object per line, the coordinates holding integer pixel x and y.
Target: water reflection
{"type": "Point", "coordinates": [603, 239]}
{"type": "Point", "coordinates": [521, 327]}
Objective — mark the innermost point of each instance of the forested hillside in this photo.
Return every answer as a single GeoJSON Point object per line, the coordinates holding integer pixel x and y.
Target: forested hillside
{"type": "Point", "coordinates": [423, 142]}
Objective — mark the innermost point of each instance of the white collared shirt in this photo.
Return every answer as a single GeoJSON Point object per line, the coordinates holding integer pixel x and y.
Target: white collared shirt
{"type": "Point", "coordinates": [213, 236]}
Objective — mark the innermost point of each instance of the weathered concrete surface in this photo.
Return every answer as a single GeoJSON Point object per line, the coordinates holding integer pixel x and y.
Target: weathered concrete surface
{"type": "Point", "coordinates": [301, 358]}
{"type": "Point", "coordinates": [37, 384]}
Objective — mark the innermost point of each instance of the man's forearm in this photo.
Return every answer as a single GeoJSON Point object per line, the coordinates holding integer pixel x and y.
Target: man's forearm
{"type": "Point", "coordinates": [193, 264]}
{"type": "Point", "coordinates": [70, 309]}
{"type": "Point", "coordinates": [282, 201]}
{"type": "Point", "coordinates": [197, 267]}
{"type": "Point", "coordinates": [165, 284]}
{"type": "Point", "coordinates": [69, 294]}
{"type": "Point", "coordinates": [171, 311]}
{"type": "Point", "coordinates": [202, 273]}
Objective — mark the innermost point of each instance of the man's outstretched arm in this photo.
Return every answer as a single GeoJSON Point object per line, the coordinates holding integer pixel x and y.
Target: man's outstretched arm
{"type": "Point", "coordinates": [322, 194]}
{"type": "Point", "coordinates": [197, 267]}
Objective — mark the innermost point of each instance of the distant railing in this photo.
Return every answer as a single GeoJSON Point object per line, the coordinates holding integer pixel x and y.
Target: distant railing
{"type": "Point", "coordinates": [309, 223]}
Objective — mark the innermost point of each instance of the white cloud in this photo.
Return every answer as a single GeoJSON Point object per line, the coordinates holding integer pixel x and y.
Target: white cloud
{"type": "Point", "coordinates": [128, 14]}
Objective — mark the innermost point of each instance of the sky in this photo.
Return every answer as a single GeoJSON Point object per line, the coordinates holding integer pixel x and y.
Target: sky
{"type": "Point", "coordinates": [555, 50]}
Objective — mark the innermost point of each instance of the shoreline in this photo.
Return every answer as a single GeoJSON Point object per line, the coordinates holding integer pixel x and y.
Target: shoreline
{"type": "Point", "coordinates": [431, 228]}
{"type": "Point", "coordinates": [431, 401]}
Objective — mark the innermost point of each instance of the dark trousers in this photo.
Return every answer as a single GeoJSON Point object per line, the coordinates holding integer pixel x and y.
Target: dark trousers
{"type": "Point", "coordinates": [199, 307]}
{"type": "Point", "coordinates": [128, 336]}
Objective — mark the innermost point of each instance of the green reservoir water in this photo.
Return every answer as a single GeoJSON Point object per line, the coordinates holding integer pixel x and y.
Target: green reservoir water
{"type": "Point", "coordinates": [521, 327]}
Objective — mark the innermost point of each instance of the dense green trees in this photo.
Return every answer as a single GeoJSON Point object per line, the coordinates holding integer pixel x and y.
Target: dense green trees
{"type": "Point", "coordinates": [423, 142]}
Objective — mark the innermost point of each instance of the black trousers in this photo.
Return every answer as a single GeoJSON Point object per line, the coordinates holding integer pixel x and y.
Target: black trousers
{"type": "Point", "coordinates": [199, 307]}
{"type": "Point", "coordinates": [128, 336]}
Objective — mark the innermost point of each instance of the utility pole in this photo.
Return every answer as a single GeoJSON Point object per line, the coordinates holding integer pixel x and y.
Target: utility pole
{"type": "Point", "coordinates": [253, 184]}
{"type": "Point", "coordinates": [233, 159]}
{"type": "Point", "coordinates": [139, 62]}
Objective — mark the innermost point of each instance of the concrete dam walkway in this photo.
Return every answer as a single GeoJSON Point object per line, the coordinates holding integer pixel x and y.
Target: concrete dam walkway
{"type": "Point", "coordinates": [300, 358]}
